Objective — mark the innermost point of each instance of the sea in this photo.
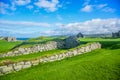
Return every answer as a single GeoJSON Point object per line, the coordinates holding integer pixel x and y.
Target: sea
{"type": "Point", "coordinates": [23, 39]}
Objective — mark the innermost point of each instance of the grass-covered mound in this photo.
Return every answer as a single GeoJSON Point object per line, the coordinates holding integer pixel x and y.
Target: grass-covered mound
{"type": "Point", "coordinates": [101, 64]}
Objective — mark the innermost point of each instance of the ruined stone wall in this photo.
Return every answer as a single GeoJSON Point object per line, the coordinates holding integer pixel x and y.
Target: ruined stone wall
{"type": "Point", "coordinates": [26, 64]}
{"type": "Point", "coordinates": [39, 48]}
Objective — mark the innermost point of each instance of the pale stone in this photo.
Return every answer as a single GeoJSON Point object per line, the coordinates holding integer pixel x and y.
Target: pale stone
{"type": "Point", "coordinates": [27, 64]}
{"type": "Point", "coordinates": [7, 69]}
{"type": "Point", "coordinates": [18, 66]}
{"type": "Point", "coordinates": [74, 52]}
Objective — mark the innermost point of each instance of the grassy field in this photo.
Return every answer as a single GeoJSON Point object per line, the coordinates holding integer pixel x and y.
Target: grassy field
{"type": "Point", "coordinates": [6, 46]}
{"type": "Point", "coordinates": [101, 64]}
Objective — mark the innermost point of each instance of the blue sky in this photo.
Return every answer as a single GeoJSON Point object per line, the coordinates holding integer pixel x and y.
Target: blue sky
{"type": "Point", "coordinates": [33, 18]}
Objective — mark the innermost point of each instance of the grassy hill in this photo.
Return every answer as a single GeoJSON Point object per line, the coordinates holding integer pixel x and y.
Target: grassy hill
{"type": "Point", "coordinates": [7, 46]}
{"type": "Point", "coordinates": [101, 64]}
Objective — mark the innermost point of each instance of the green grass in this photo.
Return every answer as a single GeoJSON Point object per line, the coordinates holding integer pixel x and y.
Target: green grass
{"type": "Point", "coordinates": [6, 46]}
{"type": "Point", "coordinates": [100, 64]}
{"type": "Point", "coordinates": [106, 43]}
{"type": "Point", "coordinates": [97, 65]}
{"type": "Point", "coordinates": [99, 39]}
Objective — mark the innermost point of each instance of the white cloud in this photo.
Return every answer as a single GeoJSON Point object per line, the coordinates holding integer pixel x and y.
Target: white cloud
{"type": "Point", "coordinates": [22, 28]}
{"type": "Point", "coordinates": [48, 5]}
{"type": "Point", "coordinates": [108, 9]}
{"type": "Point", "coordinates": [24, 23]}
{"type": "Point", "coordinates": [21, 2]}
{"type": "Point", "coordinates": [51, 32]}
{"type": "Point", "coordinates": [101, 6]}
{"type": "Point", "coordinates": [3, 8]}
{"type": "Point", "coordinates": [93, 26]}
{"type": "Point", "coordinates": [7, 8]}
{"type": "Point", "coordinates": [87, 8]}
{"type": "Point", "coordinates": [104, 8]}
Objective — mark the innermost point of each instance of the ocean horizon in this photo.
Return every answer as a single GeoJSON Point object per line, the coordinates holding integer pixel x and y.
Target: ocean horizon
{"type": "Point", "coordinates": [22, 38]}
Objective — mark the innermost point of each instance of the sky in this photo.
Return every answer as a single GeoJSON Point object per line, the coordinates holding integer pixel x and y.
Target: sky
{"type": "Point", "coordinates": [33, 18]}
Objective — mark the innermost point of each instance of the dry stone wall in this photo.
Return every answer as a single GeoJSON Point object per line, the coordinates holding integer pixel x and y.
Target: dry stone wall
{"type": "Point", "coordinates": [26, 64]}
{"type": "Point", "coordinates": [39, 48]}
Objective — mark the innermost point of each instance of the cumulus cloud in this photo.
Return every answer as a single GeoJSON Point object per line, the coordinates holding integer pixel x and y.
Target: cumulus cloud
{"type": "Point", "coordinates": [87, 8]}
{"type": "Point", "coordinates": [21, 2]}
{"type": "Point", "coordinates": [94, 26]}
{"type": "Point", "coordinates": [7, 8]}
{"type": "Point", "coordinates": [48, 5]}
{"type": "Point", "coordinates": [24, 23]}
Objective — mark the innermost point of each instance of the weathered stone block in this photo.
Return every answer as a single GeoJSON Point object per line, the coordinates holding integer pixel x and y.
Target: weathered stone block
{"type": "Point", "coordinates": [6, 69]}
{"type": "Point", "coordinates": [18, 66]}
{"type": "Point", "coordinates": [21, 50]}
{"type": "Point", "coordinates": [27, 64]}
{"type": "Point", "coordinates": [74, 52]}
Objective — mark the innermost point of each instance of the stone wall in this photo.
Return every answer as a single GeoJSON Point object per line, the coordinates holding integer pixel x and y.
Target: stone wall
{"type": "Point", "coordinates": [70, 42]}
{"type": "Point", "coordinates": [39, 48]}
{"type": "Point", "coordinates": [26, 64]}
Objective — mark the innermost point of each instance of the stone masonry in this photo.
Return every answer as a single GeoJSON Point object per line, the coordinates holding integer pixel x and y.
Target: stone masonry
{"type": "Point", "coordinates": [12, 67]}
{"type": "Point", "coordinates": [39, 48]}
